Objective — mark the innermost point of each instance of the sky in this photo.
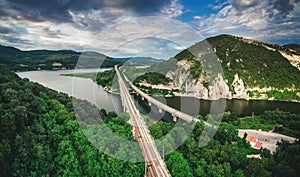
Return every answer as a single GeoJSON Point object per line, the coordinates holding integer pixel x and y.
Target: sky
{"type": "Point", "coordinates": [156, 28]}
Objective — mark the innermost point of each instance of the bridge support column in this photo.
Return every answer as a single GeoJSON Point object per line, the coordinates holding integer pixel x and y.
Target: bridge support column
{"type": "Point", "coordinates": [149, 103]}
{"type": "Point", "coordinates": [143, 98]}
{"type": "Point", "coordinates": [174, 118]}
{"type": "Point", "coordinates": [159, 110]}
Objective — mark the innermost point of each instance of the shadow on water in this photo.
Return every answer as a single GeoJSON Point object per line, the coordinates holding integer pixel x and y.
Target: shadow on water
{"type": "Point", "coordinates": [194, 106]}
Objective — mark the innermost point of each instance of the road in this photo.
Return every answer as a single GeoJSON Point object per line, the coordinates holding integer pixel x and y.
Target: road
{"type": "Point", "coordinates": [154, 162]}
{"type": "Point", "coordinates": [174, 112]}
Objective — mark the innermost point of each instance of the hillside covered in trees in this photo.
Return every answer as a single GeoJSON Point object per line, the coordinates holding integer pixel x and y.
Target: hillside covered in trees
{"type": "Point", "coordinates": [257, 65]}
{"type": "Point", "coordinates": [248, 69]}
{"type": "Point", "coordinates": [19, 60]}
{"type": "Point", "coordinates": [40, 136]}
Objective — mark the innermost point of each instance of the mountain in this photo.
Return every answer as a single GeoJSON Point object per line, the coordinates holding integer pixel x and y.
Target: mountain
{"type": "Point", "coordinates": [139, 59]}
{"type": "Point", "coordinates": [234, 67]}
{"type": "Point", "coordinates": [19, 60]}
{"type": "Point", "coordinates": [293, 47]}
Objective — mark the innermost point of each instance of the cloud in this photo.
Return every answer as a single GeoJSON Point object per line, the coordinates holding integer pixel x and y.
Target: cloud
{"type": "Point", "coordinates": [88, 25]}
{"type": "Point", "coordinates": [4, 30]}
{"type": "Point", "coordinates": [175, 9]}
{"type": "Point", "coordinates": [58, 11]}
{"type": "Point", "coordinates": [270, 21]}
{"type": "Point", "coordinates": [244, 4]}
{"type": "Point", "coordinates": [154, 36]}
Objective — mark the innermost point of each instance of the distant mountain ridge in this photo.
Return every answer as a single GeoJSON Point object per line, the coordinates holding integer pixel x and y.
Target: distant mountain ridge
{"type": "Point", "coordinates": [139, 59]}
{"type": "Point", "coordinates": [19, 60]}
{"type": "Point", "coordinates": [294, 47]}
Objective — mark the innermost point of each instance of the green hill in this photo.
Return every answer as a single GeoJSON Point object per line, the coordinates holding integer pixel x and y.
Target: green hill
{"type": "Point", "coordinates": [250, 69]}
{"type": "Point", "coordinates": [295, 47]}
{"type": "Point", "coordinates": [252, 61]}
{"type": "Point", "coordinates": [19, 60]}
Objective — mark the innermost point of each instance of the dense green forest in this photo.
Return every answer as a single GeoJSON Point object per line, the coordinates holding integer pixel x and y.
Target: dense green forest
{"type": "Point", "coordinates": [225, 155]}
{"type": "Point", "coordinates": [106, 78]}
{"type": "Point", "coordinates": [153, 78]}
{"type": "Point", "coordinates": [18, 60]}
{"type": "Point", "coordinates": [279, 121]}
{"type": "Point", "coordinates": [40, 136]}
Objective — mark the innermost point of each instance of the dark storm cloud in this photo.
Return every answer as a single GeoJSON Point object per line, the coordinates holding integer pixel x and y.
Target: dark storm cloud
{"type": "Point", "coordinates": [4, 30]}
{"type": "Point", "coordinates": [283, 7]}
{"type": "Point", "coordinates": [47, 32]}
{"type": "Point", "coordinates": [15, 40]}
{"type": "Point", "coordinates": [58, 10]}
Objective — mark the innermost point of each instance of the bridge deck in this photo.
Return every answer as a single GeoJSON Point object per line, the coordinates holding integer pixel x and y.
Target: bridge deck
{"type": "Point", "coordinates": [174, 112]}
{"type": "Point", "coordinates": [155, 164]}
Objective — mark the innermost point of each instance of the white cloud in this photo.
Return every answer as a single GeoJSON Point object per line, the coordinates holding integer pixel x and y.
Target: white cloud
{"type": "Point", "coordinates": [154, 36]}
{"type": "Point", "coordinates": [175, 9]}
{"type": "Point", "coordinates": [256, 19]}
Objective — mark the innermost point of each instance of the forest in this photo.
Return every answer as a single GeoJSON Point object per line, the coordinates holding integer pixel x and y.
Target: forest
{"type": "Point", "coordinates": [41, 136]}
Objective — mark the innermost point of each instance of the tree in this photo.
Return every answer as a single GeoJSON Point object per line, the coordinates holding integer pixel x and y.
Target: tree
{"type": "Point", "coordinates": [178, 165]}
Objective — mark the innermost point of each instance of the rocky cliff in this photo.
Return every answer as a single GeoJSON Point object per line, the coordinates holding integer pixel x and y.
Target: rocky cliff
{"type": "Point", "coordinates": [234, 67]}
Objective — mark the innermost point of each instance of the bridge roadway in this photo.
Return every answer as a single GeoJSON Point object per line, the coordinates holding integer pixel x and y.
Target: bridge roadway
{"type": "Point", "coordinates": [154, 162]}
{"type": "Point", "coordinates": [174, 112]}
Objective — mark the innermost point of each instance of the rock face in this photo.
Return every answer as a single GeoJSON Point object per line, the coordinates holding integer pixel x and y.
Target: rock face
{"type": "Point", "coordinates": [238, 87]}
{"type": "Point", "coordinates": [183, 80]}
{"type": "Point", "coordinates": [219, 88]}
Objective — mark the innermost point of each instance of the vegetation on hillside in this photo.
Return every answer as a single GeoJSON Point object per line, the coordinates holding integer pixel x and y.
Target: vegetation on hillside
{"type": "Point", "coordinates": [40, 135]}
{"type": "Point", "coordinates": [18, 60]}
{"type": "Point", "coordinates": [153, 78]}
{"type": "Point", "coordinates": [293, 47]}
{"type": "Point", "coordinates": [255, 64]}
{"type": "Point", "coordinates": [225, 154]}
{"type": "Point", "coordinates": [106, 78]}
{"type": "Point", "coordinates": [277, 94]}
{"type": "Point", "coordinates": [279, 121]}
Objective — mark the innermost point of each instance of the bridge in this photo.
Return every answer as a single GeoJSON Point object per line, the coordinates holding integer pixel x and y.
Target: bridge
{"type": "Point", "coordinates": [161, 106]}
{"type": "Point", "coordinates": [154, 162]}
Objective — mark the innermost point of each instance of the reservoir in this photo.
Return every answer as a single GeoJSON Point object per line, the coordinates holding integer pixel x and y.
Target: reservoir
{"type": "Point", "coordinates": [87, 89]}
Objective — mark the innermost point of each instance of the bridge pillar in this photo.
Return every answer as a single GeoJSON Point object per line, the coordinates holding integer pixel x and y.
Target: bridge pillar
{"type": "Point", "coordinates": [174, 119]}
{"type": "Point", "coordinates": [159, 110]}
{"type": "Point", "coordinates": [149, 103]}
{"type": "Point", "coordinates": [137, 94]}
{"type": "Point", "coordinates": [143, 98]}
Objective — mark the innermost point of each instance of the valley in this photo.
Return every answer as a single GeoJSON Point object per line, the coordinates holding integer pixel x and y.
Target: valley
{"type": "Point", "coordinates": [249, 107]}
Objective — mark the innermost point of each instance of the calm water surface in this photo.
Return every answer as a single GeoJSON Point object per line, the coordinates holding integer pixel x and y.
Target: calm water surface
{"type": "Point", "coordinates": [87, 89]}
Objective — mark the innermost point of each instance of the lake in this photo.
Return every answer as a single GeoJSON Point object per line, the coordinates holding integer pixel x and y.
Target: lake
{"type": "Point", "coordinates": [87, 89]}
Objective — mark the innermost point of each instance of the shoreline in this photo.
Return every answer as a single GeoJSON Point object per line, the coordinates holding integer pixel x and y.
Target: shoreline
{"type": "Point", "coordinates": [207, 99]}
